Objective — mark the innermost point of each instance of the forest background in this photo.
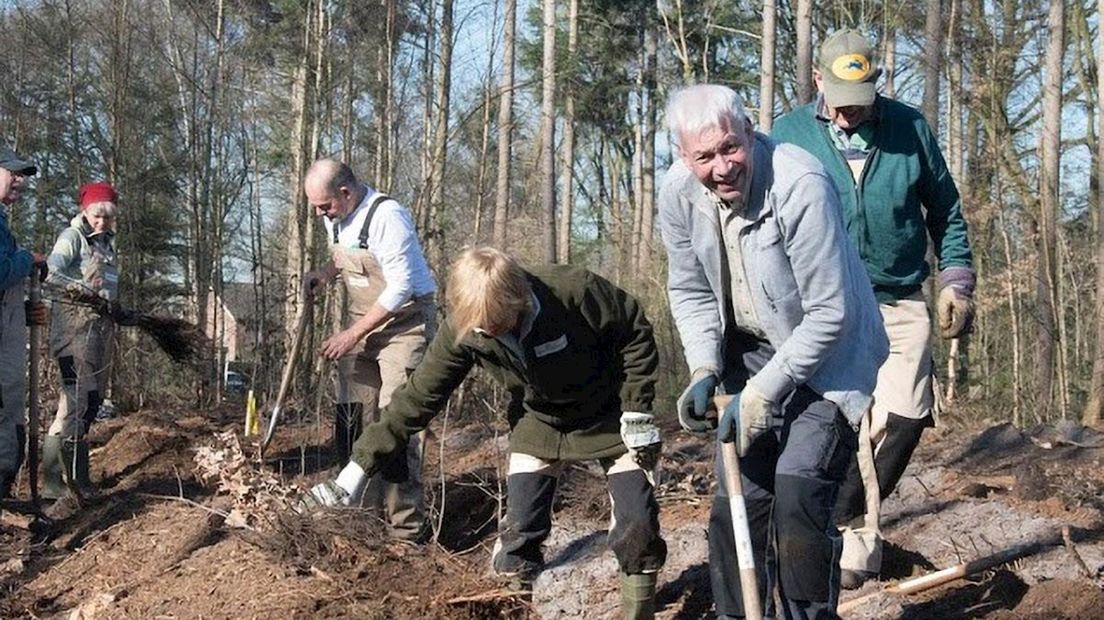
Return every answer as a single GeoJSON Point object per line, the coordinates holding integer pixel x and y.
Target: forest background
{"type": "Point", "coordinates": [537, 126]}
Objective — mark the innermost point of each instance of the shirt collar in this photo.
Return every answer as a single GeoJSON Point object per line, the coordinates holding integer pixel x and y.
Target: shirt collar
{"type": "Point", "coordinates": [526, 323]}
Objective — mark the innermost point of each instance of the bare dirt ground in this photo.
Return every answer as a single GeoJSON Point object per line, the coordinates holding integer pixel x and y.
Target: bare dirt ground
{"type": "Point", "coordinates": [167, 538]}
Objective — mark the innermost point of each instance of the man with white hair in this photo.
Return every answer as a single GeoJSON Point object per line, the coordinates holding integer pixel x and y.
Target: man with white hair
{"type": "Point", "coordinates": [82, 263]}
{"type": "Point", "coordinates": [773, 306]}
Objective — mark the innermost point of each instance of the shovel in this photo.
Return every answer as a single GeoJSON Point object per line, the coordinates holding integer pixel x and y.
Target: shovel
{"type": "Point", "coordinates": [285, 379]}
{"type": "Point", "coordinates": [34, 293]}
{"type": "Point", "coordinates": [734, 486]}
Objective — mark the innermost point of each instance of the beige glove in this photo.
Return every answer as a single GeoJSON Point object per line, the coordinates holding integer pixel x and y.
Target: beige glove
{"type": "Point", "coordinates": [955, 312]}
{"type": "Point", "coordinates": [752, 419]}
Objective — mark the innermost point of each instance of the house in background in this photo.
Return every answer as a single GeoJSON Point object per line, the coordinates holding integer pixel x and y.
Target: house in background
{"type": "Point", "coordinates": [234, 319]}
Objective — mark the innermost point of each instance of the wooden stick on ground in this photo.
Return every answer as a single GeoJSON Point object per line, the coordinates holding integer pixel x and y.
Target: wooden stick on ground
{"type": "Point", "coordinates": [958, 571]}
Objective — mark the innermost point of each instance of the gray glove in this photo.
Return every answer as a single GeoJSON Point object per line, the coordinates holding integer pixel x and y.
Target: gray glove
{"type": "Point", "coordinates": [345, 490]}
{"type": "Point", "coordinates": [641, 437]}
{"type": "Point", "coordinates": [695, 402]}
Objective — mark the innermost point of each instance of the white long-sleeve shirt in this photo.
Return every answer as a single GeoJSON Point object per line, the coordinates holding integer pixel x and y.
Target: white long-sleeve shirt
{"type": "Point", "coordinates": [393, 241]}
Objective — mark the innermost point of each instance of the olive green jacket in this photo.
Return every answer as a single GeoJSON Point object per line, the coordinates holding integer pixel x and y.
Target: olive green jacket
{"type": "Point", "coordinates": [589, 355]}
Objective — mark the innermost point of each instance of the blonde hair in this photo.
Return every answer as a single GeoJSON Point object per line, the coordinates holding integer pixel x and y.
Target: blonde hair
{"type": "Point", "coordinates": [487, 289]}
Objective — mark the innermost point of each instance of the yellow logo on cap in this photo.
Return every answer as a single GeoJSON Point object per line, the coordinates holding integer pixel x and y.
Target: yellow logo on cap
{"type": "Point", "coordinates": [851, 67]}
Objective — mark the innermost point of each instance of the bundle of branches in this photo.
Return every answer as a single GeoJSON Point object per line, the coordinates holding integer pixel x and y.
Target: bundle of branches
{"type": "Point", "coordinates": [182, 340]}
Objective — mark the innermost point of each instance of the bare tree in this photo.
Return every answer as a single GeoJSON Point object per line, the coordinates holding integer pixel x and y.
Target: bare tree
{"type": "Point", "coordinates": [766, 64]}
{"type": "Point", "coordinates": [548, 133]}
{"type": "Point", "coordinates": [434, 232]}
{"type": "Point", "coordinates": [804, 19]}
{"type": "Point", "coordinates": [1092, 414]}
{"type": "Point", "coordinates": [505, 124]}
{"type": "Point", "coordinates": [889, 55]}
{"type": "Point", "coordinates": [567, 196]}
{"type": "Point", "coordinates": [1049, 147]}
{"type": "Point", "coordinates": [933, 56]}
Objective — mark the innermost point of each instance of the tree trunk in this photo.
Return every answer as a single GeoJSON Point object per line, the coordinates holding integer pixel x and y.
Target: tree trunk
{"type": "Point", "coordinates": [548, 133]}
{"type": "Point", "coordinates": [890, 54]}
{"type": "Point", "coordinates": [505, 125]}
{"type": "Point", "coordinates": [1092, 414]}
{"type": "Point", "coordinates": [933, 42]}
{"type": "Point", "coordinates": [647, 154]}
{"type": "Point", "coordinates": [1049, 146]}
{"type": "Point", "coordinates": [298, 251]}
{"type": "Point", "coordinates": [567, 198]}
{"type": "Point", "coordinates": [805, 88]}
{"type": "Point", "coordinates": [766, 68]}
{"type": "Point", "coordinates": [434, 232]}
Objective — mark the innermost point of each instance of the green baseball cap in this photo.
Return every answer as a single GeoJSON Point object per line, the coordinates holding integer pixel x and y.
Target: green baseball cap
{"type": "Point", "coordinates": [11, 161]}
{"type": "Point", "coordinates": [848, 73]}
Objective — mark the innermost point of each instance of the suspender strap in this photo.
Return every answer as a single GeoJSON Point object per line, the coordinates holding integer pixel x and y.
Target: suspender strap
{"type": "Point", "coordinates": [377, 198]}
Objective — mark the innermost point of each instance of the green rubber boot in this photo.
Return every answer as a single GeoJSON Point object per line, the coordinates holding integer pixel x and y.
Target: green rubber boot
{"type": "Point", "coordinates": [53, 485]}
{"type": "Point", "coordinates": [638, 596]}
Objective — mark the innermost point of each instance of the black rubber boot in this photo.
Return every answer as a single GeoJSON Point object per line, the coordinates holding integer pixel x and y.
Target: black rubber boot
{"type": "Point", "coordinates": [346, 430]}
{"type": "Point", "coordinates": [81, 464]}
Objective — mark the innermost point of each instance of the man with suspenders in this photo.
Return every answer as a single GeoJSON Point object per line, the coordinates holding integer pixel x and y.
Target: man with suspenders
{"type": "Point", "coordinates": [391, 316]}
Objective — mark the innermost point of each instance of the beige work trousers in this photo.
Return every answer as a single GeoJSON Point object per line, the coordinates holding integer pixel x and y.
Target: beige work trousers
{"type": "Point", "coordinates": [905, 388]}
{"type": "Point", "coordinates": [370, 376]}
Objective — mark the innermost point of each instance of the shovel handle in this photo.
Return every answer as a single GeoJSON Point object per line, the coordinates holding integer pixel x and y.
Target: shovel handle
{"type": "Point", "coordinates": [741, 532]}
{"type": "Point", "coordinates": [34, 293]}
{"type": "Point", "coordinates": [285, 379]}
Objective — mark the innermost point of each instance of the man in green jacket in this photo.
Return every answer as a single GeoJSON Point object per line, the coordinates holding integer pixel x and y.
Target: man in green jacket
{"type": "Point", "coordinates": [895, 192]}
{"type": "Point", "coordinates": [578, 357]}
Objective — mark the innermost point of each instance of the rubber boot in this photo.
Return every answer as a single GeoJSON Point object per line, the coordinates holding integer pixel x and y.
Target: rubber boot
{"type": "Point", "coordinates": [638, 596]}
{"type": "Point", "coordinates": [347, 426]}
{"type": "Point", "coordinates": [81, 466]}
{"type": "Point", "coordinates": [53, 485]}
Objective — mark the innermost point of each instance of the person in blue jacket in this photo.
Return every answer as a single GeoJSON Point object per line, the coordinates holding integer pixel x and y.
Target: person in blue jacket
{"type": "Point", "coordinates": [16, 264]}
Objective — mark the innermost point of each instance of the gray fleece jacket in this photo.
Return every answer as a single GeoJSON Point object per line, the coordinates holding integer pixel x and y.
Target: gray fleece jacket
{"type": "Point", "coordinates": [808, 284]}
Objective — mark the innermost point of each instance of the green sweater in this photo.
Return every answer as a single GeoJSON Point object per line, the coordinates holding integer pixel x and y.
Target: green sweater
{"type": "Point", "coordinates": [589, 355]}
{"type": "Point", "coordinates": [885, 212]}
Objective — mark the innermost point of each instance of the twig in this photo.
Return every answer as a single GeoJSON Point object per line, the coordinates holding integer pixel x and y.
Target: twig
{"type": "Point", "coordinates": [213, 511]}
{"type": "Point", "coordinates": [1088, 574]}
{"type": "Point", "coordinates": [88, 541]}
{"type": "Point", "coordinates": [487, 596]}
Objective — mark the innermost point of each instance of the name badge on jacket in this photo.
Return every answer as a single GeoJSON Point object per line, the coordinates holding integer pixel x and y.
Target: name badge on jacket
{"type": "Point", "coordinates": [550, 347]}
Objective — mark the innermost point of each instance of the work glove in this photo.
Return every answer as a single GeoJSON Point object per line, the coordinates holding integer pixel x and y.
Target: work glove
{"type": "Point", "coordinates": [36, 313]}
{"type": "Point", "coordinates": [345, 490]}
{"type": "Point", "coordinates": [694, 403]}
{"type": "Point", "coordinates": [745, 418]}
{"type": "Point", "coordinates": [641, 437]}
{"type": "Point", "coordinates": [954, 305]}
{"type": "Point", "coordinates": [956, 313]}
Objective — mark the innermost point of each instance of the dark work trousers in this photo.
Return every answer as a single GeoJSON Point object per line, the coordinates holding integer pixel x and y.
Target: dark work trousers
{"type": "Point", "coordinates": [531, 485]}
{"type": "Point", "coordinates": [791, 476]}
{"type": "Point", "coordinates": [902, 435]}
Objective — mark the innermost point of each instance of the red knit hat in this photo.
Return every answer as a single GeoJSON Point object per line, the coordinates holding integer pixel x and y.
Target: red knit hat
{"type": "Point", "coordinates": [91, 193]}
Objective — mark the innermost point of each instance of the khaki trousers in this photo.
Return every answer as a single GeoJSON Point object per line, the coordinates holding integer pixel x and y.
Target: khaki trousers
{"type": "Point", "coordinates": [904, 389]}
